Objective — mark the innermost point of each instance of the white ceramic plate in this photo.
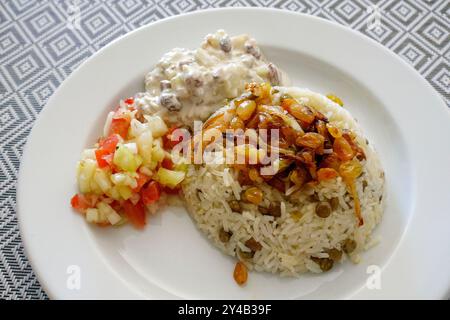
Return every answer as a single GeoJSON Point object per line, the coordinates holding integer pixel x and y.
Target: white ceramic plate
{"type": "Point", "coordinates": [402, 116]}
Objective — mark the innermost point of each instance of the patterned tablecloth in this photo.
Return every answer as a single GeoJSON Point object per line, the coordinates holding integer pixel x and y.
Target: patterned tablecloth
{"type": "Point", "coordinates": [42, 42]}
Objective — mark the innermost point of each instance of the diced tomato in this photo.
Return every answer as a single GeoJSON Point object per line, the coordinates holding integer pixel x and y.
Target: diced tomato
{"type": "Point", "coordinates": [103, 224]}
{"type": "Point", "coordinates": [116, 206]}
{"type": "Point", "coordinates": [120, 126]}
{"type": "Point", "coordinates": [104, 154]}
{"type": "Point", "coordinates": [168, 143]}
{"type": "Point", "coordinates": [109, 144]}
{"type": "Point", "coordinates": [135, 213]}
{"type": "Point", "coordinates": [81, 202]}
{"type": "Point", "coordinates": [142, 179]}
{"type": "Point", "coordinates": [167, 164]}
{"type": "Point", "coordinates": [150, 193]}
{"type": "Point", "coordinates": [129, 101]}
{"type": "Point", "coordinates": [100, 155]}
{"type": "Point", "coordinates": [175, 190]}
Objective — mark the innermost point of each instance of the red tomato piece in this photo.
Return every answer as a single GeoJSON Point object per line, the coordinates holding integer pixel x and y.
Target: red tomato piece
{"type": "Point", "coordinates": [81, 202]}
{"type": "Point", "coordinates": [104, 154]}
{"type": "Point", "coordinates": [129, 101]}
{"type": "Point", "coordinates": [142, 179]}
{"type": "Point", "coordinates": [116, 206]}
{"type": "Point", "coordinates": [120, 126]}
{"type": "Point", "coordinates": [175, 190]}
{"type": "Point", "coordinates": [168, 143]}
{"type": "Point", "coordinates": [135, 213]}
{"type": "Point", "coordinates": [167, 164]}
{"type": "Point", "coordinates": [109, 144]}
{"type": "Point", "coordinates": [100, 155]}
{"type": "Point", "coordinates": [150, 193]}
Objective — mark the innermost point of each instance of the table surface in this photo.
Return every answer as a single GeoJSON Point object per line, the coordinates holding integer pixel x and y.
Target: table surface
{"type": "Point", "coordinates": [39, 49]}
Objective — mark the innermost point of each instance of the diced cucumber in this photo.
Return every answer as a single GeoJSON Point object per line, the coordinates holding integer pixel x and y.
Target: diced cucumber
{"type": "Point", "coordinates": [126, 160]}
{"type": "Point", "coordinates": [124, 191]}
{"type": "Point", "coordinates": [153, 165]}
{"type": "Point", "coordinates": [169, 178]}
{"type": "Point", "coordinates": [86, 169]}
{"type": "Point", "coordinates": [158, 153]}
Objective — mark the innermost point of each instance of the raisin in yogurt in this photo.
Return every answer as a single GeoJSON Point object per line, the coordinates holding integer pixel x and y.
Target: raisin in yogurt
{"type": "Point", "coordinates": [189, 85]}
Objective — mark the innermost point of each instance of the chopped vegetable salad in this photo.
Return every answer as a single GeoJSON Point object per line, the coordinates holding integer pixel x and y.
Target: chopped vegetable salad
{"type": "Point", "coordinates": [127, 170]}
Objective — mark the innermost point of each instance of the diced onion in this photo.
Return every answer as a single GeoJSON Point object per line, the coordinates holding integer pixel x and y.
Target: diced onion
{"type": "Point", "coordinates": [132, 146]}
{"type": "Point", "coordinates": [156, 125]}
{"type": "Point", "coordinates": [102, 180]}
{"type": "Point", "coordinates": [88, 154]}
{"type": "Point", "coordinates": [108, 212]}
{"type": "Point", "coordinates": [107, 126]}
{"type": "Point", "coordinates": [92, 215]}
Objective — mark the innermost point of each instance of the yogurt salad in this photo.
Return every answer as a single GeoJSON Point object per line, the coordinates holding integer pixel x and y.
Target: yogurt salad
{"type": "Point", "coordinates": [318, 205]}
{"type": "Point", "coordinates": [188, 85]}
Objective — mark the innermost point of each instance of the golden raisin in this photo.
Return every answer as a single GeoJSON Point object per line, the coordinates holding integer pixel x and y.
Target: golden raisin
{"type": "Point", "coordinates": [237, 123]}
{"type": "Point", "coordinates": [310, 140]}
{"type": "Point", "coordinates": [253, 195]}
{"type": "Point", "coordinates": [321, 128]}
{"type": "Point", "coordinates": [246, 109]}
{"type": "Point", "coordinates": [240, 273]}
{"type": "Point", "coordinates": [326, 174]}
{"type": "Point", "coordinates": [343, 149]}
{"type": "Point", "coordinates": [253, 174]}
{"type": "Point", "coordinates": [289, 134]}
{"type": "Point", "coordinates": [350, 170]}
{"type": "Point", "coordinates": [302, 113]}
{"type": "Point", "coordinates": [287, 101]}
{"type": "Point", "coordinates": [334, 131]}
{"type": "Point", "coordinates": [330, 161]}
{"type": "Point", "coordinates": [298, 176]}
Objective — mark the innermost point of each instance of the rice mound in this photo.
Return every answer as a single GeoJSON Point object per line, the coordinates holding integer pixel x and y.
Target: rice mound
{"type": "Point", "coordinates": [289, 241]}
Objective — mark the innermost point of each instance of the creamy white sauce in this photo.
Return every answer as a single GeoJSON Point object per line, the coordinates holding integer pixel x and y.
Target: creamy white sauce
{"type": "Point", "coordinates": [189, 85]}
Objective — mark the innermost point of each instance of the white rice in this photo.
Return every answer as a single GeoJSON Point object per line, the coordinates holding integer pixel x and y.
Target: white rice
{"type": "Point", "coordinates": [288, 243]}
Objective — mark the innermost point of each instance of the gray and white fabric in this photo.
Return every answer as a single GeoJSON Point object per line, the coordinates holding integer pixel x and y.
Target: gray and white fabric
{"type": "Point", "coordinates": [40, 46]}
